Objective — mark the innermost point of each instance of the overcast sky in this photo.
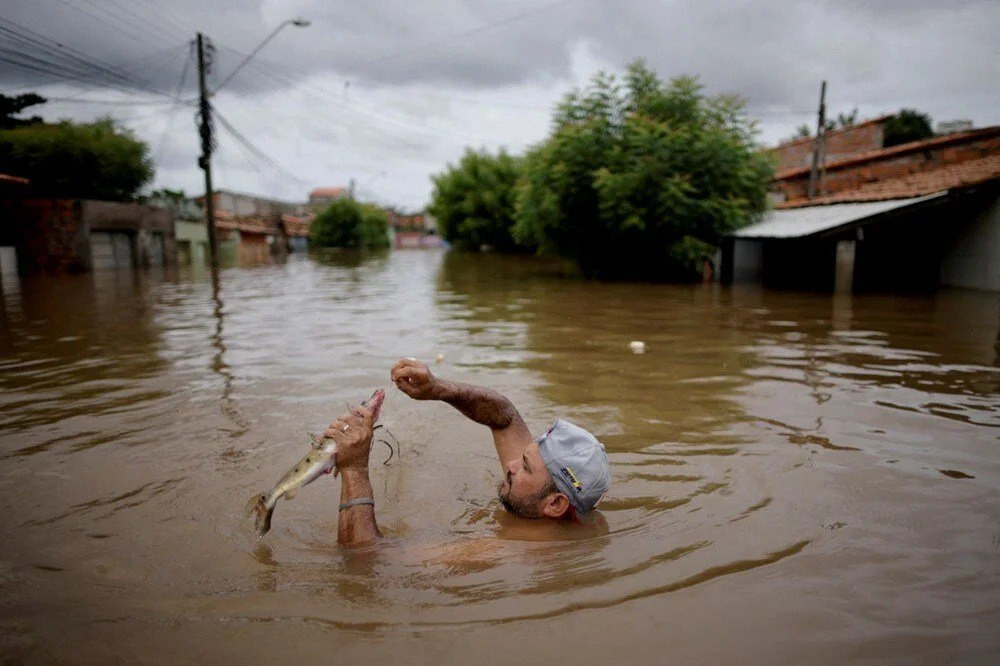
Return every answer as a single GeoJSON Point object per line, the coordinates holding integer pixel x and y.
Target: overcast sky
{"type": "Point", "coordinates": [389, 91]}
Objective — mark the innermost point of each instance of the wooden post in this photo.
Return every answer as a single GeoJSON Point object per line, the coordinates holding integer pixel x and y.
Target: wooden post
{"type": "Point", "coordinates": [820, 143]}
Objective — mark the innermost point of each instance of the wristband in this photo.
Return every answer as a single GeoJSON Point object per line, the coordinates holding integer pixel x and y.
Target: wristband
{"type": "Point", "coordinates": [355, 502]}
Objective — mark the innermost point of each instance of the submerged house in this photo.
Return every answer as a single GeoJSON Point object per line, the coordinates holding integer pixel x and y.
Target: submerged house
{"type": "Point", "coordinates": [909, 217]}
{"type": "Point", "coordinates": [252, 229]}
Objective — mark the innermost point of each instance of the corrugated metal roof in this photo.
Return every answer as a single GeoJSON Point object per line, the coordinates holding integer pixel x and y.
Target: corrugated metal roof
{"type": "Point", "coordinates": [798, 222]}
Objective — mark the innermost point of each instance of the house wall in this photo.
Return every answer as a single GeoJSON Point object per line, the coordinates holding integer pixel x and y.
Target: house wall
{"type": "Point", "coordinates": [152, 228]}
{"type": "Point", "coordinates": [253, 249]}
{"type": "Point", "coordinates": [901, 164]}
{"type": "Point", "coordinates": [840, 144]}
{"type": "Point", "coordinates": [972, 255]}
{"type": "Point", "coordinates": [192, 242]}
{"type": "Point", "coordinates": [245, 204]}
{"type": "Point", "coordinates": [48, 235]}
{"type": "Point", "coordinates": [953, 241]}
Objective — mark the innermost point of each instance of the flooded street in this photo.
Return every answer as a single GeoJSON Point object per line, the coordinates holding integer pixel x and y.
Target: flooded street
{"type": "Point", "coordinates": [795, 477]}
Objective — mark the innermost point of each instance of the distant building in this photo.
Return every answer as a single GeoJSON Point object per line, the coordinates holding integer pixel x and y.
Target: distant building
{"type": "Point", "coordinates": [324, 196]}
{"type": "Point", "coordinates": [417, 230]}
{"type": "Point", "coordinates": [240, 203]}
{"type": "Point", "coordinates": [909, 217]}
{"type": "Point", "coordinates": [190, 230]}
{"type": "Point", "coordinates": [251, 229]}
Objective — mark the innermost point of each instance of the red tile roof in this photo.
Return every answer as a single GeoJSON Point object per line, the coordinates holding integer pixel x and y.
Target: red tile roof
{"type": "Point", "coordinates": [894, 151]}
{"type": "Point", "coordinates": [328, 192]}
{"type": "Point", "coordinates": [263, 224]}
{"type": "Point", "coordinates": [963, 174]}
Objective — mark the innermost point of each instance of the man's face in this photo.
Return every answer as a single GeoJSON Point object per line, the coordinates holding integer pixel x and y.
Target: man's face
{"type": "Point", "coordinates": [527, 485]}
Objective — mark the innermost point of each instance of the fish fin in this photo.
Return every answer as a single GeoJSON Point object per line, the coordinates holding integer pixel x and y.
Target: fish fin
{"type": "Point", "coordinates": [257, 506]}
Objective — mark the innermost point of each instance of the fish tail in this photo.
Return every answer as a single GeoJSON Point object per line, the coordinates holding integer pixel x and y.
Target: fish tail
{"type": "Point", "coordinates": [257, 507]}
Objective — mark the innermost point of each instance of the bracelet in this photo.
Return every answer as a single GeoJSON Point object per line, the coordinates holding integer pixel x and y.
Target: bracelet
{"type": "Point", "coordinates": [355, 502]}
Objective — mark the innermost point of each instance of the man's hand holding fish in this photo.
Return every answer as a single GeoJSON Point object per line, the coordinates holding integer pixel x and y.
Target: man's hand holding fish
{"type": "Point", "coordinates": [353, 434]}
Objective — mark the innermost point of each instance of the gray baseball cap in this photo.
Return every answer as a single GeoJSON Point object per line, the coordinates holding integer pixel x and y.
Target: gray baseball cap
{"type": "Point", "coordinates": [577, 463]}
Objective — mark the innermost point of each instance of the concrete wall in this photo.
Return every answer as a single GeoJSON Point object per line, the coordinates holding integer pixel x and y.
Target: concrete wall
{"type": "Point", "coordinates": [145, 222]}
{"type": "Point", "coordinates": [245, 204]}
{"type": "Point", "coordinates": [192, 242]}
{"type": "Point", "coordinates": [54, 235]}
{"type": "Point", "coordinates": [972, 257]}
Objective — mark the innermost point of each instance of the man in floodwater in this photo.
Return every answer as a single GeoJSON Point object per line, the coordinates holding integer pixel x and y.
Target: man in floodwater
{"type": "Point", "coordinates": [559, 475]}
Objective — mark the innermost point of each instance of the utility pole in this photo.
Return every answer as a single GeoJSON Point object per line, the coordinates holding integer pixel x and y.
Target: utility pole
{"type": "Point", "coordinates": [820, 145]}
{"type": "Point", "coordinates": [205, 161]}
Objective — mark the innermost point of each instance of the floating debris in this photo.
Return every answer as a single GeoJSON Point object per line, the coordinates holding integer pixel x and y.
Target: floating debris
{"type": "Point", "coordinates": [955, 474]}
{"type": "Point", "coordinates": [637, 347]}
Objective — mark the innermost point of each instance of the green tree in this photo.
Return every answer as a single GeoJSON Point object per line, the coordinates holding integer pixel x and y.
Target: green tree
{"type": "Point", "coordinates": [641, 180]}
{"type": "Point", "coordinates": [97, 160]}
{"type": "Point", "coordinates": [349, 223]}
{"type": "Point", "coordinates": [11, 106]}
{"type": "Point", "coordinates": [906, 126]}
{"type": "Point", "coordinates": [474, 201]}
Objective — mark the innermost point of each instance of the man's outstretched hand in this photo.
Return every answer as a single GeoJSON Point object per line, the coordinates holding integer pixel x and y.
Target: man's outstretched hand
{"type": "Point", "coordinates": [415, 380]}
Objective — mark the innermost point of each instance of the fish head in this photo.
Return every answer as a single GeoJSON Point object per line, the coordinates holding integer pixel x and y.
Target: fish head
{"type": "Point", "coordinates": [374, 403]}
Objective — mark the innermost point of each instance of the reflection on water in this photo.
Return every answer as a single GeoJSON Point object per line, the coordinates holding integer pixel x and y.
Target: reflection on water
{"type": "Point", "coordinates": [781, 461]}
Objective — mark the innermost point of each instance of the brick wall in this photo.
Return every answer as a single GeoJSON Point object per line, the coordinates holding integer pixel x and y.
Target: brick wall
{"type": "Point", "coordinates": [900, 161]}
{"type": "Point", "coordinates": [48, 235]}
{"type": "Point", "coordinates": [840, 144]}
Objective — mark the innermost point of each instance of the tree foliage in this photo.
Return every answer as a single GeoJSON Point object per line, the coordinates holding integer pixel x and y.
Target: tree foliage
{"type": "Point", "coordinates": [640, 179]}
{"type": "Point", "coordinates": [906, 126]}
{"type": "Point", "coordinates": [11, 106]}
{"type": "Point", "coordinates": [349, 223]}
{"type": "Point", "coordinates": [97, 160]}
{"type": "Point", "coordinates": [474, 200]}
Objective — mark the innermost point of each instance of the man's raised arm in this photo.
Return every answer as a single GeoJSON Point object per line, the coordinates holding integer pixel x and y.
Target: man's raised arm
{"type": "Point", "coordinates": [510, 434]}
{"type": "Point", "coordinates": [353, 433]}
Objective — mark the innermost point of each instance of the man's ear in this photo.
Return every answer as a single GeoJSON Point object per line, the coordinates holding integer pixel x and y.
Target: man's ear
{"type": "Point", "coordinates": [556, 505]}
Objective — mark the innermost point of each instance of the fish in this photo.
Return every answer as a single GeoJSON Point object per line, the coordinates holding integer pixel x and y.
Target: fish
{"type": "Point", "coordinates": [322, 459]}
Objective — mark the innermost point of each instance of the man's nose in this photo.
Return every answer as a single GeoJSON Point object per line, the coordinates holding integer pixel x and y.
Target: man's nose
{"type": "Point", "coordinates": [514, 466]}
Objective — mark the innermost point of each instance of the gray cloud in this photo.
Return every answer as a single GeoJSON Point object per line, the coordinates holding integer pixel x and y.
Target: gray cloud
{"type": "Point", "coordinates": [395, 87]}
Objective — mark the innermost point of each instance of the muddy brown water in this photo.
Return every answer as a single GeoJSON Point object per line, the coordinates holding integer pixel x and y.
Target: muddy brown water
{"type": "Point", "coordinates": [797, 478]}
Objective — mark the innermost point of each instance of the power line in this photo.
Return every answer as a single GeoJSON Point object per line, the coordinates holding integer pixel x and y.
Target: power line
{"type": "Point", "coordinates": [260, 154]}
{"type": "Point", "coordinates": [158, 155]}
{"type": "Point", "coordinates": [122, 30]}
{"type": "Point", "coordinates": [67, 61]}
{"type": "Point", "coordinates": [113, 102]}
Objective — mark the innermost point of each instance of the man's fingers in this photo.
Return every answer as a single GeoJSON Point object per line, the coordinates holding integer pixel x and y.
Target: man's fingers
{"type": "Point", "coordinates": [407, 373]}
{"type": "Point", "coordinates": [336, 431]}
{"type": "Point", "coordinates": [405, 363]}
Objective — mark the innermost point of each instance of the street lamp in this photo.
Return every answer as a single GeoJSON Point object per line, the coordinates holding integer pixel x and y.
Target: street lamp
{"type": "Point", "coordinates": [297, 22]}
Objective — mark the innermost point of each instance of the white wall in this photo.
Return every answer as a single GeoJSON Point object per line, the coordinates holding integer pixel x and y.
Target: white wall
{"type": "Point", "coordinates": [972, 258]}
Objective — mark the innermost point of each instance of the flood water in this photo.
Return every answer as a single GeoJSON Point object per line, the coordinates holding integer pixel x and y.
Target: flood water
{"type": "Point", "coordinates": [796, 478]}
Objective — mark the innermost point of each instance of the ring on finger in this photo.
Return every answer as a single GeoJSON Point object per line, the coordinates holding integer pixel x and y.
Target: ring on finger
{"type": "Point", "coordinates": [346, 427]}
